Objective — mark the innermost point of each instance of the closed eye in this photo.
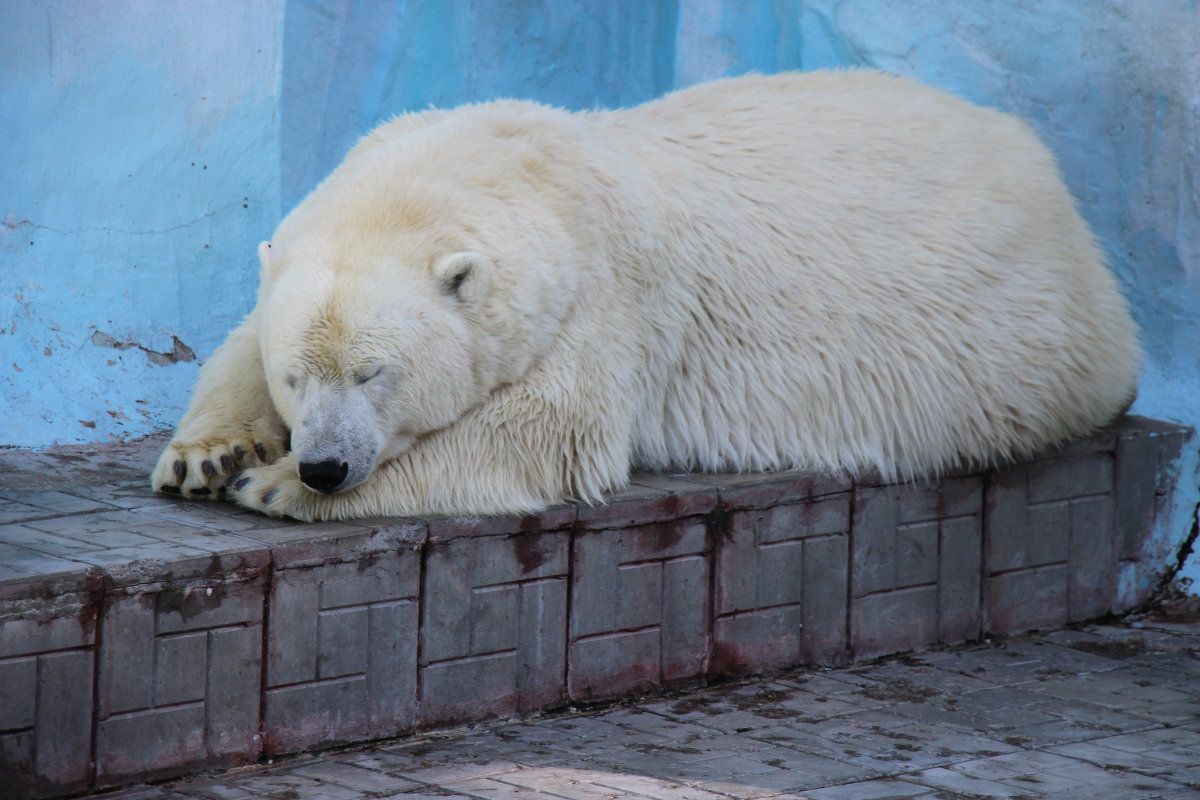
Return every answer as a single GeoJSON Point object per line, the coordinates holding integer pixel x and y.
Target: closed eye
{"type": "Point", "coordinates": [367, 375]}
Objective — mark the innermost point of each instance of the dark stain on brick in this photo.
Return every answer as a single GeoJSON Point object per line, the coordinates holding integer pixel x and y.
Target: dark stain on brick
{"type": "Point", "coordinates": [729, 660]}
{"type": "Point", "coordinates": [703, 703]}
{"type": "Point", "coordinates": [1118, 650]}
{"type": "Point", "coordinates": [719, 523]}
{"type": "Point", "coordinates": [188, 602]}
{"type": "Point", "coordinates": [660, 537]}
{"type": "Point", "coordinates": [530, 551]}
{"type": "Point", "coordinates": [366, 561]}
{"type": "Point", "coordinates": [899, 689]}
{"type": "Point", "coordinates": [215, 567]}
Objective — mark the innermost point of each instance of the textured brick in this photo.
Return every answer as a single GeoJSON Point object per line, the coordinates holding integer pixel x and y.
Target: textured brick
{"type": "Point", "coordinates": [61, 502]}
{"type": "Point", "coordinates": [177, 660]}
{"type": "Point", "coordinates": [754, 641]}
{"type": "Point", "coordinates": [342, 640]}
{"type": "Point", "coordinates": [19, 562]}
{"type": "Point", "coordinates": [47, 658]}
{"type": "Point", "coordinates": [781, 585]}
{"type": "Point", "coordinates": [826, 586]}
{"type": "Point", "coordinates": [551, 519]}
{"type": "Point", "coordinates": [18, 769]}
{"type": "Point", "coordinates": [960, 565]}
{"type": "Point", "coordinates": [1029, 598]}
{"type": "Point", "coordinates": [1136, 497]}
{"type": "Point", "coordinates": [1054, 519]}
{"type": "Point", "coordinates": [1057, 479]}
{"type": "Point", "coordinates": [889, 622]}
{"type": "Point", "coordinates": [18, 692]}
{"type": "Point", "coordinates": [764, 490]}
{"type": "Point", "coordinates": [643, 504]}
{"type": "Point", "coordinates": [173, 658]}
{"type": "Point", "coordinates": [915, 565]}
{"type": "Point", "coordinates": [495, 618]}
{"type": "Point", "coordinates": [1092, 561]}
{"type": "Point", "coordinates": [62, 726]}
{"type": "Point", "coordinates": [643, 592]}
{"type": "Point", "coordinates": [334, 542]}
{"type": "Point", "coordinates": [1021, 535]}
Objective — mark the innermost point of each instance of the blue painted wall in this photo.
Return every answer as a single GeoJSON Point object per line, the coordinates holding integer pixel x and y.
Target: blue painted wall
{"type": "Point", "coordinates": [140, 162]}
{"type": "Point", "coordinates": [149, 146]}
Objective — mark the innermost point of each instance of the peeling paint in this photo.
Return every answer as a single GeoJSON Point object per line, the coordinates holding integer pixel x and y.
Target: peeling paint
{"type": "Point", "coordinates": [179, 352]}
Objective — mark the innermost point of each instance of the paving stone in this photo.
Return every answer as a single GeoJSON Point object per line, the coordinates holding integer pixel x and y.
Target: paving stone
{"type": "Point", "coordinates": [177, 664]}
{"type": "Point", "coordinates": [765, 490]}
{"type": "Point", "coordinates": [1117, 689]}
{"type": "Point", "coordinates": [494, 626]}
{"type": "Point", "coordinates": [21, 512]}
{"type": "Point", "coordinates": [964, 785]}
{"type": "Point", "coordinates": [649, 786]}
{"type": "Point", "coordinates": [355, 777]}
{"type": "Point", "coordinates": [934, 733]}
{"type": "Point", "coordinates": [915, 565]}
{"type": "Point", "coordinates": [882, 789]}
{"type": "Point", "coordinates": [643, 504]}
{"type": "Point", "coordinates": [781, 574]}
{"type": "Point", "coordinates": [341, 654]}
{"type": "Point", "coordinates": [21, 562]}
{"type": "Point", "coordinates": [566, 784]}
{"type": "Point", "coordinates": [639, 609]}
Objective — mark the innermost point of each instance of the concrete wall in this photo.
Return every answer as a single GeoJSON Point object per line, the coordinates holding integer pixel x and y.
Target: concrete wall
{"type": "Point", "coordinates": [140, 162]}
{"type": "Point", "coordinates": [150, 146]}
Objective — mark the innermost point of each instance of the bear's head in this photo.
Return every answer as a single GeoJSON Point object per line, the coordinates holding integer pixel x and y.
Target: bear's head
{"type": "Point", "coordinates": [390, 307]}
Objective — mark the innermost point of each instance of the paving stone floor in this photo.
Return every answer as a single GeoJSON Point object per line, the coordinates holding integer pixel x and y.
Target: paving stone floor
{"type": "Point", "coordinates": [1104, 712]}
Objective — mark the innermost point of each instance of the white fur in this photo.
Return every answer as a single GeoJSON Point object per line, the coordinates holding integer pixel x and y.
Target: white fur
{"type": "Point", "coordinates": [838, 270]}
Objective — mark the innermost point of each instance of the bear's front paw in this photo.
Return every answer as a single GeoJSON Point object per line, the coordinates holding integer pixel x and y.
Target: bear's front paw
{"type": "Point", "coordinates": [200, 469]}
{"type": "Point", "coordinates": [276, 490]}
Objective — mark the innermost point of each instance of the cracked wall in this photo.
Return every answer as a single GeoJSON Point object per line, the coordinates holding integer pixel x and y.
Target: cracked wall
{"type": "Point", "coordinates": [140, 167]}
{"type": "Point", "coordinates": [141, 170]}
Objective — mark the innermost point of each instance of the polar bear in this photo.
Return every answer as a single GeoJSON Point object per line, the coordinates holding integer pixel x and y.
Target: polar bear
{"type": "Point", "coordinates": [500, 307]}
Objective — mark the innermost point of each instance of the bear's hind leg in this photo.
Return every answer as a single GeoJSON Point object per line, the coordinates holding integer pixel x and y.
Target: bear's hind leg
{"type": "Point", "coordinates": [230, 423]}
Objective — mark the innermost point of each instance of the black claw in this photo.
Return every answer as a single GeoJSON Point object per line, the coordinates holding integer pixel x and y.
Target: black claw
{"type": "Point", "coordinates": [180, 469]}
{"type": "Point", "coordinates": [238, 452]}
{"type": "Point", "coordinates": [269, 496]}
{"type": "Point", "coordinates": [262, 451]}
{"type": "Point", "coordinates": [169, 489]}
{"type": "Point", "coordinates": [227, 463]}
{"type": "Point", "coordinates": [207, 468]}
{"type": "Point", "coordinates": [240, 483]}
{"type": "Point", "coordinates": [202, 490]}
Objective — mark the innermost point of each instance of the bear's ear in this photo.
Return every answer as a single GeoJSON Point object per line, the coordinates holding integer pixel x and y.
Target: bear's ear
{"type": "Point", "coordinates": [463, 276]}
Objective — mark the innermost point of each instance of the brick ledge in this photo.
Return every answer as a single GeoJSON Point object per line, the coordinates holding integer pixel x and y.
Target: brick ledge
{"type": "Point", "coordinates": [144, 637]}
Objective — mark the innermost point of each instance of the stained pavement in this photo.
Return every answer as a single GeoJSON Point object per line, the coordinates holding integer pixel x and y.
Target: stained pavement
{"type": "Point", "coordinates": [1099, 712]}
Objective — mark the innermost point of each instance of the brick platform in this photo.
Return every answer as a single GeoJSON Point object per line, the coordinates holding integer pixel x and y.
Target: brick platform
{"type": "Point", "coordinates": [143, 637]}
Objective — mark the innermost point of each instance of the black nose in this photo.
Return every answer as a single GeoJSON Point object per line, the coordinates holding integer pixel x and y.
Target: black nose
{"type": "Point", "coordinates": [324, 476]}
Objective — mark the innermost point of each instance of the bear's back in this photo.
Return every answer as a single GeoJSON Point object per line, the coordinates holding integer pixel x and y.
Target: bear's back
{"type": "Point", "coordinates": [855, 269]}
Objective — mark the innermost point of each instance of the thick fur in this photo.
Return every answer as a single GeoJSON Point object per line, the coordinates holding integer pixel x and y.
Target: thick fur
{"type": "Point", "coordinates": [495, 308]}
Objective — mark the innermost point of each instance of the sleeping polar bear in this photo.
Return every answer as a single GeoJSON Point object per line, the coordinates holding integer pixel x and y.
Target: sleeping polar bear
{"type": "Point", "coordinates": [496, 308]}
